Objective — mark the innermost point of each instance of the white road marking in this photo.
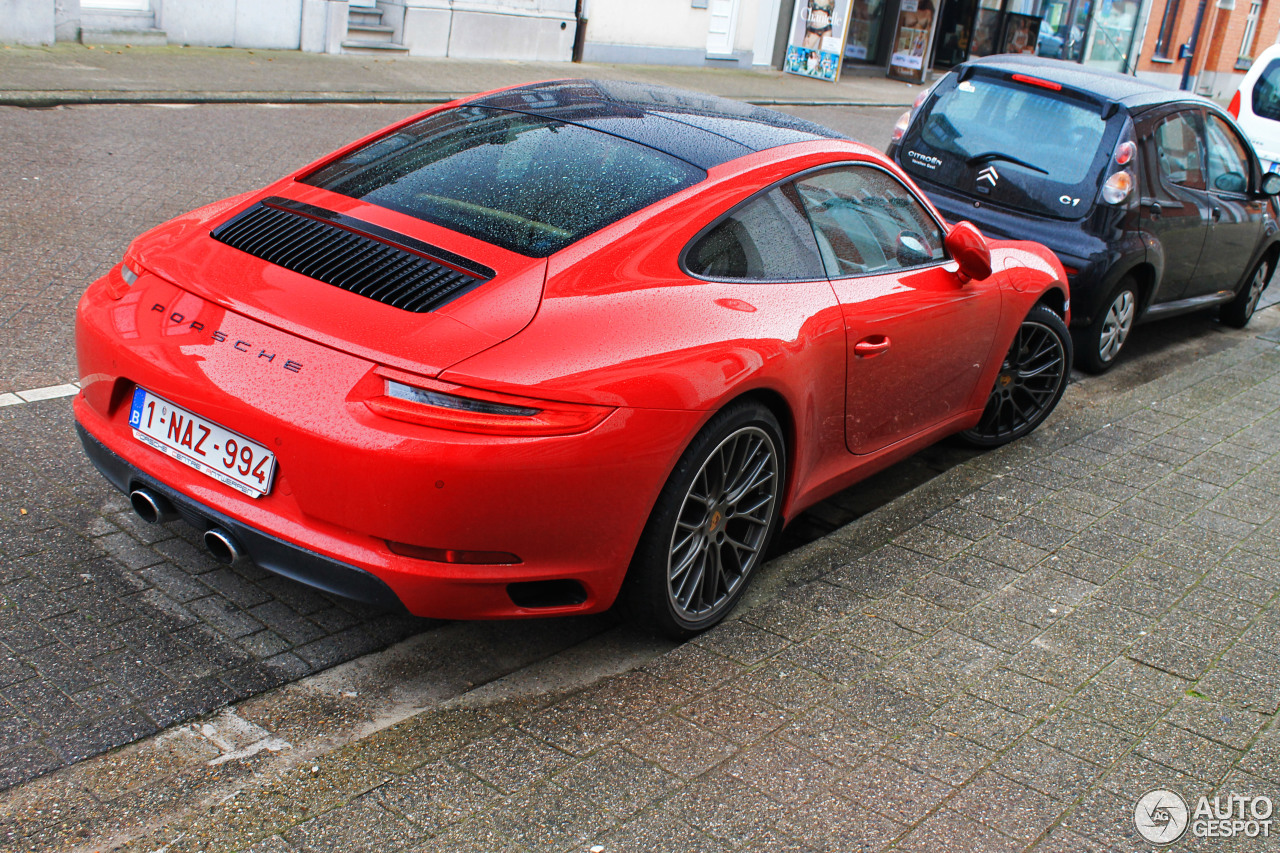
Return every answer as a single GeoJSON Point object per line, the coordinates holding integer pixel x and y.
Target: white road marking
{"type": "Point", "coordinates": [49, 392]}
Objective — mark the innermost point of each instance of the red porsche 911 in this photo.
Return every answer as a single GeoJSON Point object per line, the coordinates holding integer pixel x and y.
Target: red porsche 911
{"type": "Point", "coordinates": [525, 353]}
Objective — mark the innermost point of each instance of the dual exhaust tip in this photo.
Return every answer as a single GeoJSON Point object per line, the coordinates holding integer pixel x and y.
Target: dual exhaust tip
{"type": "Point", "coordinates": [156, 509]}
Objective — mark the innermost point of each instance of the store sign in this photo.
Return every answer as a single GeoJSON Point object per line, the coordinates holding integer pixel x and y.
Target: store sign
{"type": "Point", "coordinates": [912, 40]}
{"type": "Point", "coordinates": [817, 38]}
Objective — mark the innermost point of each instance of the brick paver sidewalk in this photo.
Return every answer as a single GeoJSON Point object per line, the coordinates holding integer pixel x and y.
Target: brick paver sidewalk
{"type": "Point", "coordinates": [1005, 659]}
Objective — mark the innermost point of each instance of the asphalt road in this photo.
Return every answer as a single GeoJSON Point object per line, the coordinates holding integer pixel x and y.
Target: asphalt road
{"type": "Point", "coordinates": [110, 629]}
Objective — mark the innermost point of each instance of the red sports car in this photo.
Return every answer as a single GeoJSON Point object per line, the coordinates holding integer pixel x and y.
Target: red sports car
{"type": "Point", "coordinates": [522, 353]}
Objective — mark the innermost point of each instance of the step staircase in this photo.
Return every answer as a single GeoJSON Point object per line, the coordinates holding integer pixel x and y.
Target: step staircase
{"type": "Point", "coordinates": [367, 34]}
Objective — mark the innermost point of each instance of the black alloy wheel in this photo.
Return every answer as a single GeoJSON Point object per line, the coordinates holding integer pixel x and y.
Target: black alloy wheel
{"type": "Point", "coordinates": [1239, 311]}
{"type": "Point", "coordinates": [711, 526]}
{"type": "Point", "coordinates": [1030, 383]}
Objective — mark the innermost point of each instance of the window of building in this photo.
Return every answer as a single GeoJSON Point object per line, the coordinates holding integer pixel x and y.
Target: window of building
{"type": "Point", "coordinates": [1168, 26]}
{"type": "Point", "coordinates": [1250, 33]}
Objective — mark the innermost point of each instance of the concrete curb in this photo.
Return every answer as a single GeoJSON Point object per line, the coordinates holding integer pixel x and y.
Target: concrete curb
{"type": "Point", "coordinates": [45, 99]}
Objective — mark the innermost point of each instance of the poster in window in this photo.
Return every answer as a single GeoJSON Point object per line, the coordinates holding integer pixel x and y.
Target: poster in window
{"type": "Point", "coordinates": [1021, 33]}
{"type": "Point", "coordinates": [985, 30]}
{"type": "Point", "coordinates": [864, 30]}
{"type": "Point", "coordinates": [912, 40]}
{"type": "Point", "coordinates": [817, 39]}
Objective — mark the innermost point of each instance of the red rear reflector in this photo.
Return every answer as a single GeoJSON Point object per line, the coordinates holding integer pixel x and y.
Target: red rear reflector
{"type": "Point", "coordinates": [450, 555]}
{"type": "Point", "coordinates": [1070, 270]}
{"type": "Point", "coordinates": [1036, 81]}
{"type": "Point", "coordinates": [1234, 106]}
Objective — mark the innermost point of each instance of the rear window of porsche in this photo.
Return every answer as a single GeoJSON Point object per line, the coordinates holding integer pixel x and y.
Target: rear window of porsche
{"type": "Point", "coordinates": [1014, 143]}
{"type": "Point", "coordinates": [522, 182]}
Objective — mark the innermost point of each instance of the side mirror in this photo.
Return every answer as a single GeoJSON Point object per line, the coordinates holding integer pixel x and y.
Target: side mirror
{"type": "Point", "coordinates": [1271, 183]}
{"type": "Point", "coordinates": [968, 248]}
{"type": "Point", "coordinates": [911, 250]}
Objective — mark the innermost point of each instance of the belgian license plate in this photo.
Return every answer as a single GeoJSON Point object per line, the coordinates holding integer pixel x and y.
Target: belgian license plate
{"type": "Point", "coordinates": [226, 456]}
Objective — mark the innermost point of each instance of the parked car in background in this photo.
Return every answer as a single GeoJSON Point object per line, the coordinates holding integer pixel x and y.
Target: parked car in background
{"type": "Point", "coordinates": [1154, 200]}
{"type": "Point", "coordinates": [1256, 107]}
{"type": "Point", "coordinates": [525, 352]}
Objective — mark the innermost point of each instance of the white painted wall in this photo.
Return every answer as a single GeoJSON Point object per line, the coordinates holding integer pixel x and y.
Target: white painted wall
{"type": "Point", "coordinates": [239, 23]}
{"type": "Point", "coordinates": [26, 22]}
{"type": "Point", "coordinates": [651, 23]}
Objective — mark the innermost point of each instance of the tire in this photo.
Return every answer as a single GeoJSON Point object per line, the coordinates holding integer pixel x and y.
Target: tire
{"type": "Point", "coordinates": [1099, 343]}
{"type": "Point", "coordinates": [708, 532]}
{"type": "Point", "coordinates": [1031, 381]}
{"type": "Point", "coordinates": [1239, 311]}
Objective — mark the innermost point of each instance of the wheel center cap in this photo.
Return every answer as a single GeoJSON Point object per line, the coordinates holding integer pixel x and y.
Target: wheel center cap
{"type": "Point", "coordinates": [716, 518]}
{"type": "Point", "coordinates": [1005, 380]}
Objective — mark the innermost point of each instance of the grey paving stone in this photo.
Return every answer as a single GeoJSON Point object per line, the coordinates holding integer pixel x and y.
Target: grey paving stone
{"type": "Point", "coordinates": [741, 641]}
{"type": "Point", "coordinates": [1116, 708]}
{"type": "Point", "coordinates": [725, 808]}
{"type": "Point", "coordinates": [510, 760]}
{"type": "Point", "coordinates": [618, 781]}
{"type": "Point", "coordinates": [784, 685]}
{"type": "Point", "coordinates": [690, 666]}
{"type": "Point", "coordinates": [840, 739]}
{"type": "Point", "coordinates": [679, 747]}
{"type": "Point", "coordinates": [361, 826]}
{"type": "Point", "coordinates": [831, 823]}
{"type": "Point", "coordinates": [659, 833]}
{"type": "Point", "coordinates": [735, 714]}
{"type": "Point", "coordinates": [939, 753]}
{"type": "Point", "coordinates": [549, 817]}
{"type": "Point", "coordinates": [899, 792]}
{"type": "Point", "coordinates": [1007, 806]}
{"type": "Point", "coordinates": [955, 833]}
{"type": "Point", "coordinates": [1187, 752]}
{"type": "Point", "coordinates": [1084, 737]}
{"type": "Point", "coordinates": [1047, 769]}
{"type": "Point", "coordinates": [1228, 726]}
{"type": "Point", "coordinates": [435, 796]}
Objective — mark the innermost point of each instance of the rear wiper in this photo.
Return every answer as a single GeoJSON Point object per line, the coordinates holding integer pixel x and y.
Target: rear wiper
{"type": "Point", "coordinates": [988, 156]}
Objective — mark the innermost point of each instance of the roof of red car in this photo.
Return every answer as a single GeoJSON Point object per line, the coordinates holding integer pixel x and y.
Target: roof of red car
{"type": "Point", "coordinates": [701, 129]}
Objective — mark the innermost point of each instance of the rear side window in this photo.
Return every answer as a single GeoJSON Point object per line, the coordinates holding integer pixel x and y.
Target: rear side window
{"type": "Point", "coordinates": [1178, 150]}
{"type": "Point", "coordinates": [1017, 144]}
{"type": "Point", "coordinates": [766, 239]}
{"type": "Point", "coordinates": [1266, 92]}
{"type": "Point", "coordinates": [525, 183]}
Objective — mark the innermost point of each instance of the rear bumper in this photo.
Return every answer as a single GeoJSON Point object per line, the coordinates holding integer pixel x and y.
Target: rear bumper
{"type": "Point", "coordinates": [350, 483]}
{"type": "Point", "coordinates": [267, 552]}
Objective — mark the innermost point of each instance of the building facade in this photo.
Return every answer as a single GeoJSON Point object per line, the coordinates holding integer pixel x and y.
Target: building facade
{"type": "Point", "coordinates": [1232, 33]}
{"type": "Point", "coordinates": [670, 32]}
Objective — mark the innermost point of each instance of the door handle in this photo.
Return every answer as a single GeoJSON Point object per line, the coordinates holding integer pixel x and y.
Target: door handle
{"type": "Point", "coordinates": [1216, 213]}
{"type": "Point", "coordinates": [1155, 210]}
{"type": "Point", "coordinates": [870, 347]}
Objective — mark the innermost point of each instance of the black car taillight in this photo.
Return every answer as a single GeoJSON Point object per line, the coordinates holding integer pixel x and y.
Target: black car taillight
{"type": "Point", "coordinates": [1121, 180]}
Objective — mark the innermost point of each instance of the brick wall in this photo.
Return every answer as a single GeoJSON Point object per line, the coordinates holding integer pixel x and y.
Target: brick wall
{"type": "Point", "coordinates": [1220, 37]}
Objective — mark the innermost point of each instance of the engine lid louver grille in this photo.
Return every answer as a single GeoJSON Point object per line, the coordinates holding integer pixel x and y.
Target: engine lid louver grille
{"type": "Point", "coordinates": [356, 256]}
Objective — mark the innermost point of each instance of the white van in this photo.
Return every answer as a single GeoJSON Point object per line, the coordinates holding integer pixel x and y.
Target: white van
{"type": "Point", "coordinates": [1256, 107]}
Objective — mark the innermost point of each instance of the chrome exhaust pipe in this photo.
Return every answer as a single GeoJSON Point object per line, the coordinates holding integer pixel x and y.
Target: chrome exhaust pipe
{"type": "Point", "coordinates": [223, 547]}
{"type": "Point", "coordinates": [150, 507]}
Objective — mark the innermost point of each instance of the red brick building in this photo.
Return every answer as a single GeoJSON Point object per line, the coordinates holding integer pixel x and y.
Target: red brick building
{"type": "Point", "coordinates": [1233, 32]}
